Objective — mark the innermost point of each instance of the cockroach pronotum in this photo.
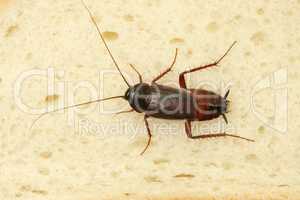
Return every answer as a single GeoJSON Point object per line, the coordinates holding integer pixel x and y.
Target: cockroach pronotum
{"type": "Point", "coordinates": [160, 101]}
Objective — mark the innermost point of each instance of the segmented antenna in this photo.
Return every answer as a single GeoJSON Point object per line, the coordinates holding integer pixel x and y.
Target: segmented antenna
{"type": "Point", "coordinates": [73, 106]}
{"type": "Point", "coordinates": [103, 40]}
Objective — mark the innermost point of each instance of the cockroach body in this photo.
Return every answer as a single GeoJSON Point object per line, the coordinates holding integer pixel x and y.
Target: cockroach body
{"type": "Point", "coordinates": [164, 102]}
{"type": "Point", "coordinates": [160, 101]}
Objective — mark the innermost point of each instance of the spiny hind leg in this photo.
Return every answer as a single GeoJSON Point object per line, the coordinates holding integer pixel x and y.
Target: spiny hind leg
{"type": "Point", "coordinates": [188, 131]}
{"type": "Point", "coordinates": [182, 82]}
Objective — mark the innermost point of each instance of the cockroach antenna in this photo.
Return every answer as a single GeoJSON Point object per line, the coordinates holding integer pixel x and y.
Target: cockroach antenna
{"type": "Point", "coordinates": [104, 42]}
{"type": "Point", "coordinates": [73, 106]}
{"type": "Point", "coordinates": [97, 100]}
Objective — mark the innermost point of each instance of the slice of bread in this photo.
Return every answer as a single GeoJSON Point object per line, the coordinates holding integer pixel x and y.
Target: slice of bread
{"type": "Point", "coordinates": [50, 54]}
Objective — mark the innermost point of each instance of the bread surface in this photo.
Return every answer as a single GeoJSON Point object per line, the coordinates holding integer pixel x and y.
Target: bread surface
{"type": "Point", "coordinates": [84, 154]}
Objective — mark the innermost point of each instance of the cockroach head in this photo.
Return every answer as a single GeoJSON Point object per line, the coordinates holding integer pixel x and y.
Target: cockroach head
{"type": "Point", "coordinates": [127, 93]}
{"type": "Point", "coordinates": [138, 96]}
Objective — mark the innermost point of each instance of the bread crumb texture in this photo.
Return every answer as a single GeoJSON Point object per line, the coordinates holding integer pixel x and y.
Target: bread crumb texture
{"type": "Point", "coordinates": [51, 56]}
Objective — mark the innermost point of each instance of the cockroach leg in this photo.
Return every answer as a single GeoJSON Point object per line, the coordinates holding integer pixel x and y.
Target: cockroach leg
{"type": "Point", "coordinates": [149, 134]}
{"type": "Point", "coordinates": [188, 128]}
{"type": "Point", "coordinates": [182, 82]}
{"type": "Point", "coordinates": [138, 73]}
{"type": "Point", "coordinates": [189, 134]}
{"type": "Point", "coordinates": [167, 70]}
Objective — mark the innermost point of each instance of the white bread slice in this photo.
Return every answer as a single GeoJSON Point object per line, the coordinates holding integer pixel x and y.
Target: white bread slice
{"type": "Point", "coordinates": [56, 160]}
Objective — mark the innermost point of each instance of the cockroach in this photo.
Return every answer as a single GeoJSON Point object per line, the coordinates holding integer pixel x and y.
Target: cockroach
{"type": "Point", "coordinates": [164, 102]}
